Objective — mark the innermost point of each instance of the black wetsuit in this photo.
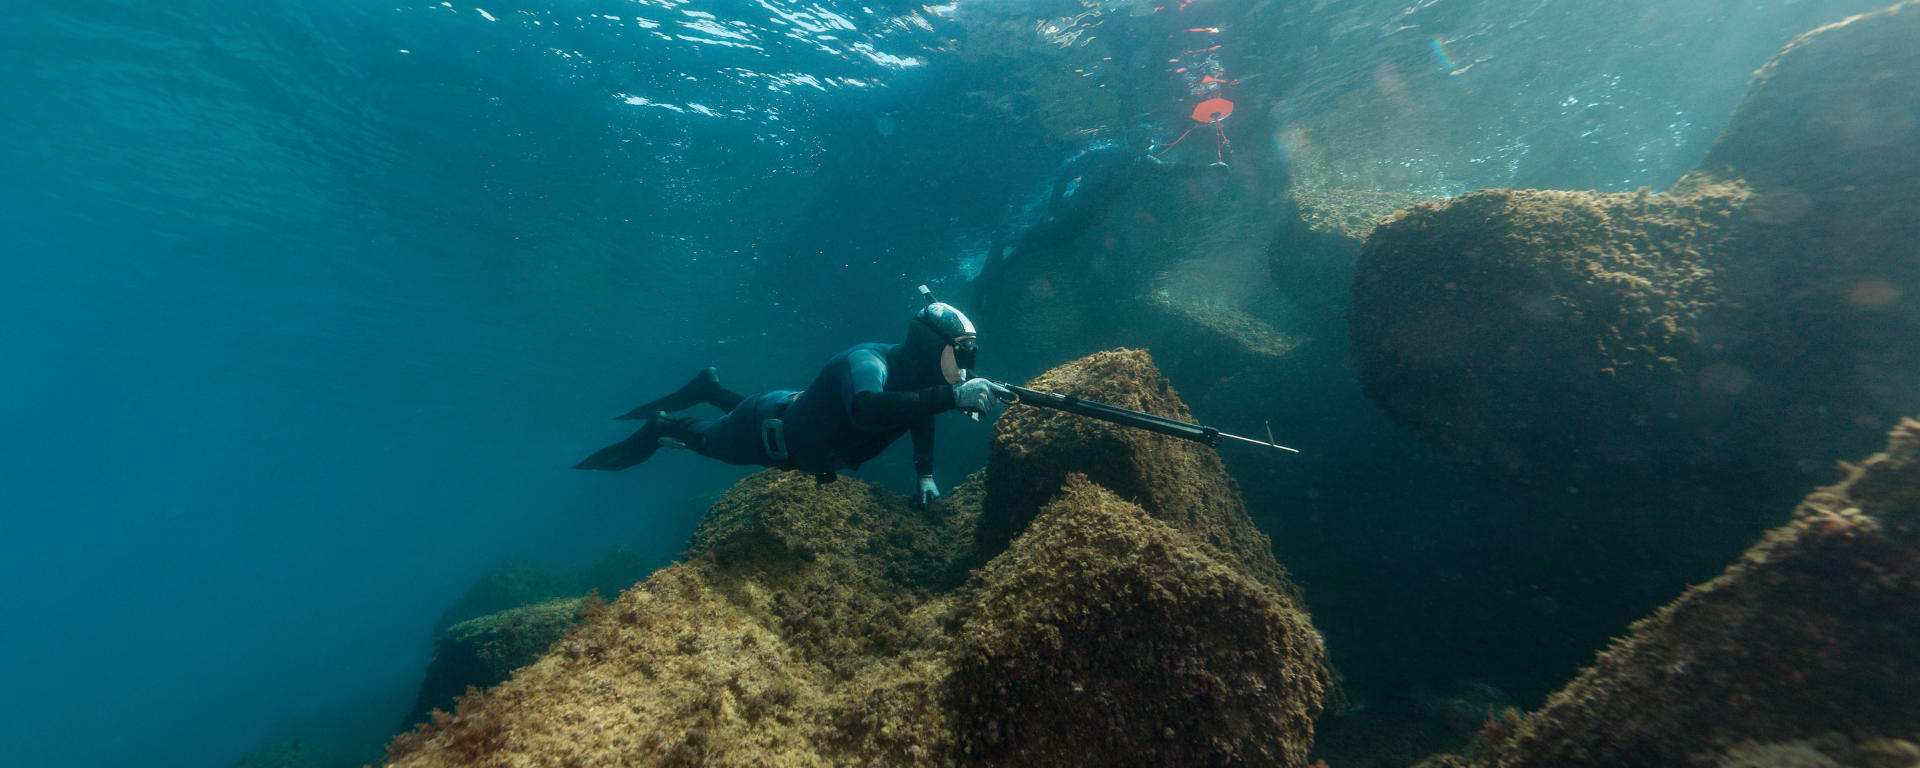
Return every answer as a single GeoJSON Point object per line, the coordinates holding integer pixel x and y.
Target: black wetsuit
{"type": "Point", "coordinates": [863, 399]}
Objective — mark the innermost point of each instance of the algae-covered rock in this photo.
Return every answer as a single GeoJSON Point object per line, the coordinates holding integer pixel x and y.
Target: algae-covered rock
{"type": "Point", "coordinates": [800, 630]}
{"type": "Point", "coordinates": [477, 653]}
{"type": "Point", "coordinates": [834, 568]}
{"type": "Point", "coordinates": [1812, 632]}
{"type": "Point", "coordinates": [621, 567]}
{"type": "Point", "coordinates": [1547, 337]}
{"type": "Point", "coordinates": [672, 673]}
{"type": "Point", "coordinates": [1312, 256]}
{"type": "Point", "coordinates": [1103, 637]}
{"type": "Point", "coordinates": [1712, 348]}
{"type": "Point", "coordinates": [511, 583]}
{"type": "Point", "coordinates": [1205, 345]}
{"type": "Point", "coordinates": [826, 625]}
{"type": "Point", "coordinates": [1034, 451]}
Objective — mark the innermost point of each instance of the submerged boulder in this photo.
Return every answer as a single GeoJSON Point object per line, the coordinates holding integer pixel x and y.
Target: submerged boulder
{"type": "Point", "coordinates": [1035, 450]}
{"type": "Point", "coordinates": [1811, 634]}
{"type": "Point", "coordinates": [1206, 346]}
{"type": "Point", "coordinates": [1312, 256]}
{"type": "Point", "coordinates": [1715, 346]}
{"type": "Point", "coordinates": [830, 624]}
{"type": "Point", "coordinates": [1109, 639]}
{"type": "Point", "coordinates": [762, 647]}
{"type": "Point", "coordinates": [510, 583]}
{"type": "Point", "coordinates": [480, 652]}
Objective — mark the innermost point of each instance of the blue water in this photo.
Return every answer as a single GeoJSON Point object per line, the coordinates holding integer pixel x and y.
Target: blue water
{"type": "Point", "coordinates": [309, 306]}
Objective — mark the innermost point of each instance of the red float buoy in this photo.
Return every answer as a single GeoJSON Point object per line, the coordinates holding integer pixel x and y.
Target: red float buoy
{"type": "Point", "coordinates": [1212, 110]}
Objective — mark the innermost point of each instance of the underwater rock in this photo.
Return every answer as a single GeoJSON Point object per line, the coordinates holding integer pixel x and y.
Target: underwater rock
{"type": "Point", "coordinates": [1797, 754]}
{"type": "Point", "coordinates": [1812, 631]}
{"type": "Point", "coordinates": [834, 568]}
{"type": "Point", "coordinates": [829, 624]}
{"type": "Point", "coordinates": [1103, 637]}
{"type": "Point", "coordinates": [621, 567]}
{"type": "Point", "coordinates": [511, 583]}
{"type": "Point", "coordinates": [787, 636]}
{"type": "Point", "coordinates": [1542, 336]}
{"type": "Point", "coordinates": [1312, 257]}
{"type": "Point", "coordinates": [477, 653]}
{"type": "Point", "coordinates": [1723, 341]}
{"type": "Point", "coordinates": [1034, 451]}
{"type": "Point", "coordinates": [1216, 352]}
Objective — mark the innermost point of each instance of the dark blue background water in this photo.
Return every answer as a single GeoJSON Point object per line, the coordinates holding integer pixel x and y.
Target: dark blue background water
{"type": "Point", "coordinates": [309, 306]}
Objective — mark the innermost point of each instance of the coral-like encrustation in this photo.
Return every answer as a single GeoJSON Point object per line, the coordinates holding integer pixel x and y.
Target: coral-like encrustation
{"type": "Point", "coordinates": [480, 652]}
{"type": "Point", "coordinates": [1729, 338]}
{"type": "Point", "coordinates": [1482, 321]}
{"type": "Point", "coordinates": [827, 624]}
{"type": "Point", "coordinates": [1034, 451]}
{"type": "Point", "coordinates": [1104, 620]}
{"type": "Point", "coordinates": [511, 583]}
{"type": "Point", "coordinates": [1811, 632]}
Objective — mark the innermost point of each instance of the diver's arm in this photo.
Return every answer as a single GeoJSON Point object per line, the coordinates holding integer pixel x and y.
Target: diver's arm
{"type": "Point", "coordinates": [922, 447]}
{"type": "Point", "coordinates": [871, 406]}
{"type": "Point", "coordinates": [928, 490]}
{"type": "Point", "coordinates": [883, 410]}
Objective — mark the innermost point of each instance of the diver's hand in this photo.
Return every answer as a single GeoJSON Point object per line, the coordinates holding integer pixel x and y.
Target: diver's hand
{"type": "Point", "coordinates": [975, 396]}
{"type": "Point", "coordinates": [924, 497]}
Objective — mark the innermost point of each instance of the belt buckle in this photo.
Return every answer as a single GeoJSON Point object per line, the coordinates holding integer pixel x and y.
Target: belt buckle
{"type": "Point", "coordinates": [773, 439]}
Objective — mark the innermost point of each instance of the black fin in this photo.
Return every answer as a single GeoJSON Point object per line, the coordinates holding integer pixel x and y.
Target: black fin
{"type": "Point", "coordinates": [701, 389]}
{"type": "Point", "coordinates": [628, 452]}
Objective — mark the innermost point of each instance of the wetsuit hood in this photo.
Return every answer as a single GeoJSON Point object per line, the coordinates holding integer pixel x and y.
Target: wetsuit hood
{"type": "Point", "coordinates": [932, 330]}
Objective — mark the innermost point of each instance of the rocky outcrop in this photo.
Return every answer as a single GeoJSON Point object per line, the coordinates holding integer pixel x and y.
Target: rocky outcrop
{"type": "Point", "coordinates": [477, 653]}
{"type": "Point", "coordinates": [1312, 256]}
{"type": "Point", "coordinates": [1556, 338]}
{"type": "Point", "coordinates": [830, 624]}
{"type": "Point", "coordinates": [511, 583]}
{"type": "Point", "coordinates": [1034, 451]}
{"type": "Point", "coordinates": [1722, 342]}
{"type": "Point", "coordinates": [1810, 636]}
{"type": "Point", "coordinates": [508, 617]}
{"type": "Point", "coordinates": [1114, 640]}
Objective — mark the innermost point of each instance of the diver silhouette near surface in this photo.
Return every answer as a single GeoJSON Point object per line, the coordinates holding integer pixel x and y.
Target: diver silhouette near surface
{"type": "Point", "coordinates": [862, 400]}
{"type": "Point", "coordinates": [1082, 193]}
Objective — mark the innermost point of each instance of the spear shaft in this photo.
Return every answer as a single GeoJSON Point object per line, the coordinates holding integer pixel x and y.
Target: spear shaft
{"type": "Point", "coordinates": [1198, 433]}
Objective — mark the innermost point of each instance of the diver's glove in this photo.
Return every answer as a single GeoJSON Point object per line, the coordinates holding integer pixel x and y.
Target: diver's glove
{"type": "Point", "coordinates": [975, 396]}
{"type": "Point", "coordinates": [929, 491]}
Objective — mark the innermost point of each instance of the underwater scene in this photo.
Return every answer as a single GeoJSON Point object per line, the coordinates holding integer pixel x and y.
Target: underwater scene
{"type": "Point", "coordinates": [1336, 383]}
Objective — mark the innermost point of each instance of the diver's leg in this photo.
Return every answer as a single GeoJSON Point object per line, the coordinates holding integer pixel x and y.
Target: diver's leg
{"type": "Point", "coordinates": [733, 438]}
{"type": "Point", "coordinates": [722, 398]}
{"type": "Point", "coordinates": [737, 438]}
{"type": "Point", "coordinates": [633, 450]}
{"type": "Point", "coordinates": [704, 388]}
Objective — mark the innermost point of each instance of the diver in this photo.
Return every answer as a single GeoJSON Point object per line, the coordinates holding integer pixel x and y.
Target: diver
{"type": "Point", "coordinates": [861, 402]}
{"type": "Point", "coordinates": [1081, 195]}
